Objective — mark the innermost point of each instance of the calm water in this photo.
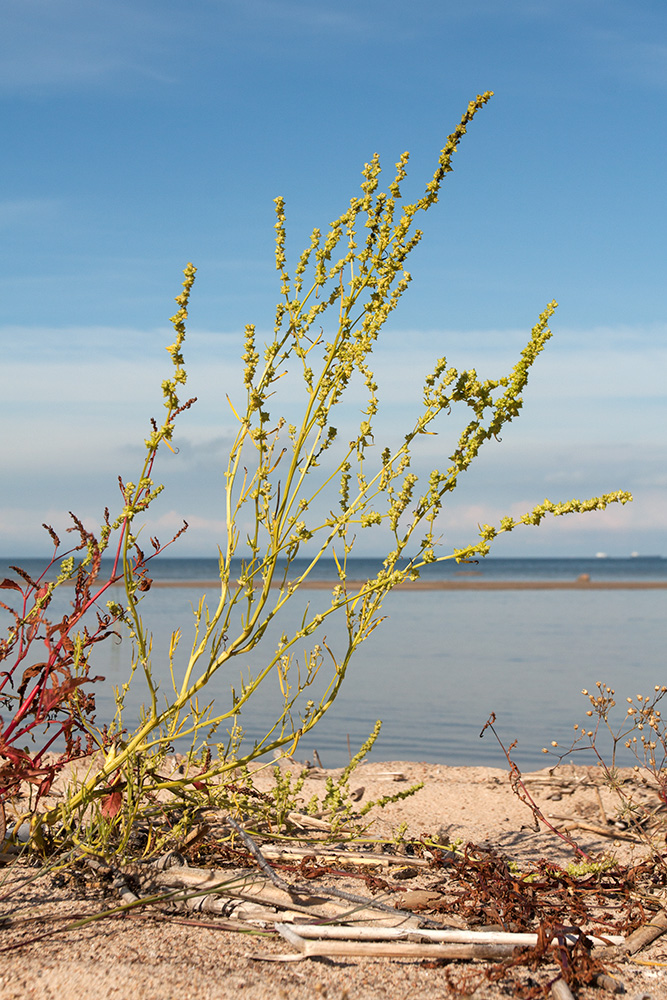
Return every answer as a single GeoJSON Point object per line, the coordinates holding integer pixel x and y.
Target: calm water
{"type": "Point", "coordinates": [641, 568]}
{"type": "Point", "coordinates": [444, 660]}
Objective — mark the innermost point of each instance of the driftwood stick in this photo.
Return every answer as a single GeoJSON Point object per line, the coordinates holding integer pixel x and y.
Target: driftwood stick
{"type": "Point", "coordinates": [332, 854]}
{"type": "Point", "coordinates": [351, 897]}
{"type": "Point", "coordinates": [391, 949]}
{"type": "Point", "coordinates": [644, 935]}
{"type": "Point", "coordinates": [309, 822]}
{"type": "Point", "coordinates": [244, 886]}
{"type": "Point", "coordinates": [124, 891]}
{"type": "Point", "coordinates": [447, 935]}
{"type": "Point", "coordinates": [561, 991]}
{"type": "Point", "coordinates": [572, 823]}
{"type": "Point", "coordinates": [405, 917]}
{"type": "Point", "coordinates": [608, 983]}
{"type": "Point", "coordinates": [241, 884]}
{"type": "Point", "coordinates": [119, 883]}
{"type": "Point", "coordinates": [237, 909]}
{"type": "Point", "coordinates": [172, 859]}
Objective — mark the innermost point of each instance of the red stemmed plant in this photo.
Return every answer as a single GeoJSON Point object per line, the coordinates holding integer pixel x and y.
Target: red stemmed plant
{"type": "Point", "coordinates": [45, 663]}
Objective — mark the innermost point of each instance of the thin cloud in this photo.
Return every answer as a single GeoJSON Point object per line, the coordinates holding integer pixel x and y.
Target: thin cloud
{"type": "Point", "coordinates": [80, 41]}
{"type": "Point", "coordinates": [19, 212]}
{"type": "Point", "coordinates": [307, 17]}
{"type": "Point", "coordinates": [643, 61]}
{"type": "Point", "coordinates": [128, 344]}
{"type": "Point", "coordinates": [591, 424]}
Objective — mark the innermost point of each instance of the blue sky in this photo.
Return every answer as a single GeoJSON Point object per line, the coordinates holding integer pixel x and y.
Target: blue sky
{"type": "Point", "coordinates": [139, 136]}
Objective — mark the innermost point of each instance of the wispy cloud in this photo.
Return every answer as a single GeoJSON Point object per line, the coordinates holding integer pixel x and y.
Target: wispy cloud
{"type": "Point", "coordinates": [117, 44]}
{"type": "Point", "coordinates": [643, 61]}
{"type": "Point", "coordinates": [304, 16]}
{"type": "Point", "coordinates": [592, 423]}
{"type": "Point", "coordinates": [28, 211]}
{"type": "Point", "coordinates": [81, 41]}
{"type": "Point", "coordinates": [602, 386]}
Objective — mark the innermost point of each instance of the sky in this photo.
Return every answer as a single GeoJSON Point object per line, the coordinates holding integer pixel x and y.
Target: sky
{"type": "Point", "coordinates": [140, 136]}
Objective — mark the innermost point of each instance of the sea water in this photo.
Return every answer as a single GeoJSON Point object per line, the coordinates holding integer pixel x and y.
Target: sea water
{"type": "Point", "coordinates": [438, 666]}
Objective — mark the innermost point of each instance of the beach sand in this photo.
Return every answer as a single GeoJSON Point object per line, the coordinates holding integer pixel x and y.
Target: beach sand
{"type": "Point", "coordinates": [157, 959]}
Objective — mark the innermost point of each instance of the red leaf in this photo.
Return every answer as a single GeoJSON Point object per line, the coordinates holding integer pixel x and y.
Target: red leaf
{"type": "Point", "coordinates": [45, 786]}
{"type": "Point", "coordinates": [28, 674]}
{"type": "Point", "coordinates": [112, 803]}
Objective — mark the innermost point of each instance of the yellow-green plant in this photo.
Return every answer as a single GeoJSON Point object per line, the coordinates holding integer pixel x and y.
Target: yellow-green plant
{"type": "Point", "coordinates": [337, 804]}
{"type": "Point", "coordinates": [280, 473]}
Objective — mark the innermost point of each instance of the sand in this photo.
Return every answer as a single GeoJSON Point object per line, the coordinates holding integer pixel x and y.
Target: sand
{"type": "Point", "coordinates": [152, 959]}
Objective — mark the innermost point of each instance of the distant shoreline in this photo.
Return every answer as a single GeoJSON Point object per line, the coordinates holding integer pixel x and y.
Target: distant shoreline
{"type": "Point", "coordinates": [459, 584]}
